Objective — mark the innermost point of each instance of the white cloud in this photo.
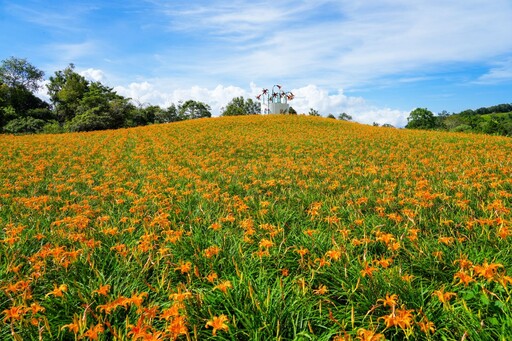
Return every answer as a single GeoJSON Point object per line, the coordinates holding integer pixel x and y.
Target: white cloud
{"type": "Point", "coordinates": [42, 91]}
{"type": "Point", "coordinates": [94, 75]}
{"type": "Point", "coordinates": [67, 53]}
{"type": "Point", "coordinates": [148, 93]}
{"type": "Point", "coordinates": [502, 72]}
{"type": "Point", "coordinates": [353, 43]}
{"type": "Point", "coordinates": [336, 103]}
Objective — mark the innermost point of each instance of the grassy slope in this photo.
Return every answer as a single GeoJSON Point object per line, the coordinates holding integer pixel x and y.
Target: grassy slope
{"type": "Point", "coordinates": [289, 226]}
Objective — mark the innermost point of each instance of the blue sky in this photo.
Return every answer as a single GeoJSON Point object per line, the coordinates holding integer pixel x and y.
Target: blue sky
{"type": "Point", "coordinates": [375, 60]}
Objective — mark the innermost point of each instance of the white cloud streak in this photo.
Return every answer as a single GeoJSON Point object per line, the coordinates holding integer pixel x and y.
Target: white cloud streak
{"type": "Point", "coordinates": [69, 52]}
{"type": "Point", "coordinates": [501, 72]}
{"type": "Point", "coordinates": [359, 42]}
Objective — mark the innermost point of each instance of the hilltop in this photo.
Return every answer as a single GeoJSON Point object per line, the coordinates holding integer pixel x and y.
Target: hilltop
{"type": "Point", "coordinates": [256, 228]}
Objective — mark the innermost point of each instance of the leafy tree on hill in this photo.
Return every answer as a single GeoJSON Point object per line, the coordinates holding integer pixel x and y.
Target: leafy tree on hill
{"type": "Point", "coordinates": [240, 106]}
{"type": "Point", "coordinates": [26, 124]}
{"type": "Point", "coordinates": [171, 114]}
{"type": "Point", "coordinates": [66, 90]}
{"type": "Point", "coordinates": [18, 105]}
{"type": "Point", "coordinates": [145, 115]}
{"type": "Point", "coordinates": [18, 73]}
{"type": "Point", "coordinates": [313, 112]}
{"type": "Point", "coordinates": [100, 108]}
{"type": "Point", "coordinates": [344, 117]}
{"type": "Point", "coordinates": [421, 118]}
{"type": "Point", "coordinates": [194, 109]}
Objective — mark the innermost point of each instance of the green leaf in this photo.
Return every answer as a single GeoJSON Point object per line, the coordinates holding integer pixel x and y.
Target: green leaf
{"type": "Point", "coordinates": [484, 299]}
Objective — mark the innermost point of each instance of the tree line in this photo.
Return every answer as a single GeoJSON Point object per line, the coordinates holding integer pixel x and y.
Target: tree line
{"type": "Point", "coordinates": [494, 120]}
{"type": "Point", "coordinates": [76, 104]}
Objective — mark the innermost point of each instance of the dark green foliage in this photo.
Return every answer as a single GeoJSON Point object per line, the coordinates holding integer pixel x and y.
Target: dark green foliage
{"type": "Point", "coordinates": [313, 112]}
{"type": "Point", "coordinates": [344, 117]}
{"type": "Point", "coordinates": [7, 113]}
{"type": "Point", "coordinates": [168, 115]}
{"type": "Point", "coordinates": [78, 104]}
{"type": "Point", "coordinates": [66, 90]}
{"type": "Point", "coordinates": [421, 118]}
{"type": "Point", "coordinates": [20, 110]}
{"type": "Point", "coordinates": [18, 73]}
{"type": "Point", "coordinates": [240, 106]}
{"type": "Point", "coordinates": [41, 113]}
{"type": "Point", "coordinates": [194, 109]}
{"type": "Point", "coordinates": [52, 127]}
{"type": "Point", "coordinates": [24, 125]}
{"type": "Point", "coordinates": [146, 115]}
{"type": "Point", "coordinates": [494, 120]}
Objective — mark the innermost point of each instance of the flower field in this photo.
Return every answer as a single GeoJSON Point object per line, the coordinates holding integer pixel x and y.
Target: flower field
{"type": "Point", "coordinates": [256, 228]}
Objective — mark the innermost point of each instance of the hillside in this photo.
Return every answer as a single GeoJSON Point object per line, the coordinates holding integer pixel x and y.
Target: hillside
{"type": "Point", "coordinates": [499, 123]}
{"type": "Point", "coordinates": [256, 228]}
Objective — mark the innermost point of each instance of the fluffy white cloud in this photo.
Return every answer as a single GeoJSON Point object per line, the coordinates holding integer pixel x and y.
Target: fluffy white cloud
{"type": "Point", "coordinates": [94, 75]}
{"type": "Point", "coordinates": [335, 103]}
{"type": "Point", "coordinates": [149, 93]}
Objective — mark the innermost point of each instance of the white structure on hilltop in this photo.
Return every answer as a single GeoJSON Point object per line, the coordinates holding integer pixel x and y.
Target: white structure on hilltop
{"type": "Point", "coordinates": [275, 102]}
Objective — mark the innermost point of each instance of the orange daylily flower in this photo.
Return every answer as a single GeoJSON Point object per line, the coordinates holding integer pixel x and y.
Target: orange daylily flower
{"type": "Point", "coordinates": [389, 301]}
{"type": "Point", "coordinates": [103, 290]}
{"type": "Point", "coordinates": [224, 286]}
{"type": "Point", "coordinates": [218, 323]}
{"type": "Point", "coordinates": [58, 291]}
{"type": "Point", "coordinates": [92, 332]}
{"type": "Point", "coordinates": [14, 313]}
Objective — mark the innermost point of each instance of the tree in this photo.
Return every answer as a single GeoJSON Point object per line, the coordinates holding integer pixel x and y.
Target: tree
{"type": "Point", "coordinates": [18, 80]}
{"type": "Point", "coordinates": [171, 114]}
{"type": "Point", "coordinates": [240, 106]}
{"type": "Point", "coordinates": [100, 108]}
{"type": "Point", "coordinates": [18, 73]}
{"type": "Point", "coordinates": [421, 118]}
{"type": "Point", "coordinates": [313, 112]}
{"type": "Point", "coordinates": [7, 114]}
{"type": "Point", "coordinates": [344, 117]}
{"type": "Point", "coordinates": [145, 115]}
{"type": "Point", "coordinates": [292, 111]}
{"type": "Point", "coordinates": [331, 116]}
{"type": "Point", "coordinates": [194, 109]}
{"type": "Point", "coordinates": [24, 125]}
{"type": "Point", "coordinates": [66, 90]}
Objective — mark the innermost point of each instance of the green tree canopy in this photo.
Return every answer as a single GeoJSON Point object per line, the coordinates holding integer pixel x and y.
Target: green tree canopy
{"type": "Point", "coordinates": [18, 81]}
{"type": "Point", "coordinates": [17, 72]}
{"type": "Point", "coordinates": [239, 106]}
{"type": "Point", "coordinates": [194, 109]}
{"type": "Point", "coordinates": [100, 108]}
{"type": "Point", "coordinates": [66, 90]}
{"type": "Point", "coordinates": [421, 118]}
{"type": "Point", "coordinates": [344, 117]}
{"type": "Point", "coordinates": [171, 114]}
{"type": "Point", "coordinates": [313, 112]}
